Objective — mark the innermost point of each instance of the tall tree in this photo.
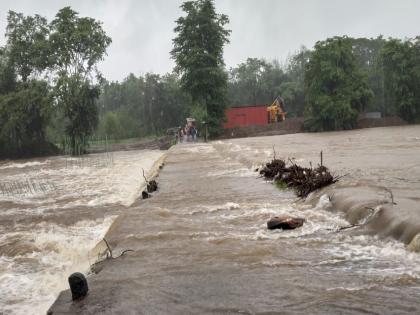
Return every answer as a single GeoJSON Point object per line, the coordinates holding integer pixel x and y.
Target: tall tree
{"type": "Point", "coordinates": [24, 114]}
{"type": "Point", "coordinates": [293, 89]}
{"type": "Point", "coordinates": [336, 89]}
{"type": "Point", "coordinates": [7, 73]}
{"type": "Point", "coordinates": [25, 100]}
{"type": "Point", "coordinates": [255, 81]}
{"type": "Point", "coordinates": [142, 106]}
{"type": "Point", "coordinates": [27, 41]}
{"type": "Point", "coordinates": [367, 52]}
{"type": "Point", "coordinates": [401, 62]}
{"type": "Point", "coordinates": [77, 45]}
{"type": "Point", "coordinates": [198, 53]}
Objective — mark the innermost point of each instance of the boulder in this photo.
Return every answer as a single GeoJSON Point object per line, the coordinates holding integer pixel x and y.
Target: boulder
{"type": "Point", "coordinates": [285, 223]}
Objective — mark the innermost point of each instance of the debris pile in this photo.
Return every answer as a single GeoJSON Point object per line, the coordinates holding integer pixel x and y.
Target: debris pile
{"type": "Point", "coordinates": [302, 179]}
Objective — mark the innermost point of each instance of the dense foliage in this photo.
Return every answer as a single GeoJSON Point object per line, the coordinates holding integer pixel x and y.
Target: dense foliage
{"type": "Point", "coordinates": [142, 106]}
{"type": "Point", "coordinates": [47, 71]}
{"type": "Point", "coordinates": [24, 114]}
{"type": "Point", "coordinates": [336, 88]}
{"type": "Point", "coordinates": [198, 54]}
{"type": "Point", "coordinates": [344, 77]}
{"type": "Point", "coordinates": [257, 82]}
{"type": "Point", "coordinates": [401, 64]}
{"type": "Point", "coordinates": [50, 88]}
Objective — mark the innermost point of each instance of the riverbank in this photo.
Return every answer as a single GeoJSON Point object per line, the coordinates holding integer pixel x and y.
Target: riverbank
{"type": "Point", "coordinates": [47, 149]}
{"type": "Point", "coordinates": [158, 143]}
{"type": "Point", "coordinates": [200, 244]}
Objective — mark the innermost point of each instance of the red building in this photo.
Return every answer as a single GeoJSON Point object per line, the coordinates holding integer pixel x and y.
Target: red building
{"type": "Point", "coordinates": [246, 116]}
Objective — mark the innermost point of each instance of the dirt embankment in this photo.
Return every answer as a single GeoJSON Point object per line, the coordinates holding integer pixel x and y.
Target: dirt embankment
{"type": "Point", "coordinates": [295, 125]}
{"type": "Point", "coordinates": [380, 122]}
{"type": "Point", "coordinates": [162, 143]}
{"type": "Point", "coordinates": [290, 125]}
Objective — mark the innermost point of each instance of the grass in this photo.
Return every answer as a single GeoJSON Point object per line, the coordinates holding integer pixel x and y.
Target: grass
{"type": "Point", "coordinates": [281, 185]}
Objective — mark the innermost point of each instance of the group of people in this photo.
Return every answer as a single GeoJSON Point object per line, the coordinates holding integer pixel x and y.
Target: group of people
{"type": "Point", "coordinates": [187, 134]}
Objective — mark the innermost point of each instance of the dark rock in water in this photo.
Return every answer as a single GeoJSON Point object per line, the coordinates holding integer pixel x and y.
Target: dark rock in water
{"type": "Point", "coordinates": [152, 186]}
{"type": "Point", "coordinates": [145, 195]}
{"type": "Point", "coordinates": [78, 286]}
{"type": "Point", "coordinates": [285, 223]}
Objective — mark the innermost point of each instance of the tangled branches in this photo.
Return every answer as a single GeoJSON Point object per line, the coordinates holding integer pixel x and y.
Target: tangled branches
{"type": "Point", "coordinates": [303, 180]}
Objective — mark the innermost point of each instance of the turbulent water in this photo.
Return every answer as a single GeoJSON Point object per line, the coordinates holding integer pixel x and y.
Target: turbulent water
{"type": "Point", "coordinates": [201, 245]}
{"type": "Point", "coordinates": [52, 213]}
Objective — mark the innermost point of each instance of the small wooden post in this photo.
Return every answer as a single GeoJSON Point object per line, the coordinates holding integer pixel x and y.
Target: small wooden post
{"type": "Point", "coordinates": [321, 159]}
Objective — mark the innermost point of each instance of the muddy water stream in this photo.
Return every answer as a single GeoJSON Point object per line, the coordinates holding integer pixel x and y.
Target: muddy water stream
{"type": "Point", "coordinates": [201, 245]}
{"type": "Point", "coordinates": [52, 213]}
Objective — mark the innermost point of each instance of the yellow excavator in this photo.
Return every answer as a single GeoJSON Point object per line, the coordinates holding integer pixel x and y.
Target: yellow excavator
{"type": "Point", "coordinates": [275, 111]}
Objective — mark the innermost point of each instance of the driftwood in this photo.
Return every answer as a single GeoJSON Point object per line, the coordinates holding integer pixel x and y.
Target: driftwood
{"type": "Point", "coordinates": [285, 223]}
{"type": "Point", "coordinates": [109, 253]}
{"type": "Point", "coordinates": [302, 179]}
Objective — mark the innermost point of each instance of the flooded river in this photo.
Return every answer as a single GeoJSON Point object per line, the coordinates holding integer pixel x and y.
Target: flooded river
{"type": "Point", "coordinates": [201, 246]}
{"type": "Point", "coordinates": [52, 213]}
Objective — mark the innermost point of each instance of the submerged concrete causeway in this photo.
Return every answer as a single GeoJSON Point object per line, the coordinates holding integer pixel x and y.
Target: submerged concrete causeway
{"type": "Point", "coordinates": [178, 249]}
{"type": "Point", "coordinates": [201, 246]}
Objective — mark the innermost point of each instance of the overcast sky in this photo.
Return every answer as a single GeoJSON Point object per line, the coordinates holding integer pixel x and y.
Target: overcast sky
{"type": "Point", "coordinates": [142, 30]}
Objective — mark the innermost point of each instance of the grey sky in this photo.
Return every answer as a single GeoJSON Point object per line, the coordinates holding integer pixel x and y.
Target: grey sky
{"type": "Point", "coordinates": [142, 30]}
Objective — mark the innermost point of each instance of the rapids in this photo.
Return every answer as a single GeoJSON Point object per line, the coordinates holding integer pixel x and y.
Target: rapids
{"type": "Point", "coordinates": [52, 213]}
{"type": "Point", "coordinates": [201, 245]}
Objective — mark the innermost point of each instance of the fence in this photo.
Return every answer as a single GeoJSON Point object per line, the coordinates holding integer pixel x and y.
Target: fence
{"type": "Point", "coordinates": [78, 154]}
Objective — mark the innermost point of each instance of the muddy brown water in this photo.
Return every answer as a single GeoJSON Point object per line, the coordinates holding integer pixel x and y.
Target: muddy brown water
{"type": "Point", "coordinates": [201, 245]}
{"type": "Point", "coordinates": [53, 211]}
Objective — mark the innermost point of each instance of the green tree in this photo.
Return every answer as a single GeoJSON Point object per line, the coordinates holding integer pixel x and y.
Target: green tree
{"type": "Point", "coordinates": [24, 114]}
{"type": "Point", "coordinates": [77, 98]}
{"type": "Point", "coordinates": [401, 63]}
{"type": "Point", "coordinates": [144, 105]}
{"type": "Point", "coordinates": [368, 58]}
{"type": "Point", "coordinates": [25, 102]}
{"type": "Point", "coordinates": [293, 89]}
{"type": "Point", "coordinates": [27, 42]}
{"type": "Point", "coordinates": [7, 73]}
{"type": "Point", "coordinates": [198, 54]}
{"type": "Point", "coordinates": [336, 89]}
{"type": "Point", "coordinates": [77, 45]}
{"type": "Point", "coordinates": [255, 82]}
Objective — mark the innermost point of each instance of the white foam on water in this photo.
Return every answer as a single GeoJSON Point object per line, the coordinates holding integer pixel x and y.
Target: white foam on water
{"type": "Point", "coordinates": [23, 165]}
{"type": "Point", "coordinates": [197, 147]}
{"type": "Point", "coordinates": [72, 185]}
{"type": "Point", "coordinates": [35, 269]}
{"type": "Point", "coordinates": [217, 208]}
{"type": "Point", "coordinates": [30, 282]}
